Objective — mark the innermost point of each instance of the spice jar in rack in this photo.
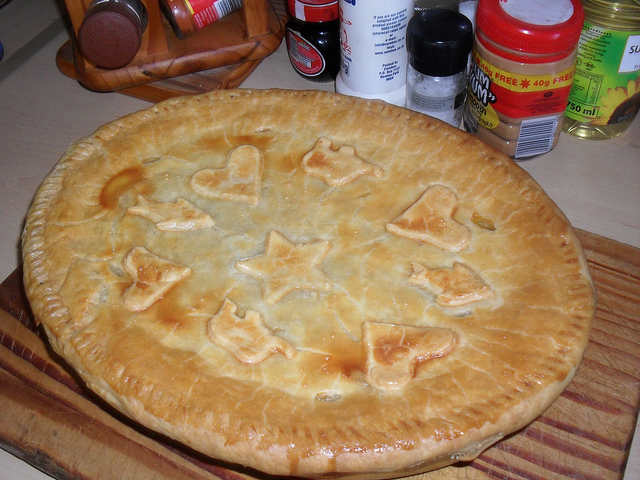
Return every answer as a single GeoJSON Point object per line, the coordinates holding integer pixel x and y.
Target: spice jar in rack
{"type": "Point", "coordinates": [188, 16]}
{"type": "Point", "coordinates": [521, 73]}
{"type": "Point", "coordinates": [605, 96]}
{"type": "Point", "coordinates": [313, 38]}
{"type": "Point", "coordinates": [438, 42]}
{"type": "Point", "coordinates": [111, 32]}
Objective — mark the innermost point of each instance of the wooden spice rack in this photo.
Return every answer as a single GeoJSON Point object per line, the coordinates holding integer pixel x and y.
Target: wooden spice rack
{"type": "Point", "coordinates": [228, 50]}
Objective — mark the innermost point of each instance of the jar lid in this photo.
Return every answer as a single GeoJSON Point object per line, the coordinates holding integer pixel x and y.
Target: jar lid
{"type": "Point", "coordinates": [439, 42]}
{"type": "Point", "coordinates": [531, 26]}
{"type": "Point", "coordinates": [314, 10]}
{"type": "Point", "coordinates": [110, 34]}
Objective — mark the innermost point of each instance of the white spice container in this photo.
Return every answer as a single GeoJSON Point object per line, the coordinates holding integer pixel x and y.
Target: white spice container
{"type": "Point", "coordinates": [373, 54]}
{"type": "Point", "coordinates": [439, 42]}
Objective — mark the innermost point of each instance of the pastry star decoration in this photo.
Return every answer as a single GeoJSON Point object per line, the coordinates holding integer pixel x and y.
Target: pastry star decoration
{"type": "Point", "coordinates": [285, 267]}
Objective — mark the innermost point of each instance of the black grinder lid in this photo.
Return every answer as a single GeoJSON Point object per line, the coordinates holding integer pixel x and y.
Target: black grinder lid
{"type": "Point", "coordinates": [439, 42]}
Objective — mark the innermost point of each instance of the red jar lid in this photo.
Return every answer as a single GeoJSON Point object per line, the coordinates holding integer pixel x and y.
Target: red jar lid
{"type": "Point", "coordinates": [554, 32]}
{"type": "Point", "coordinates": [314, 10]}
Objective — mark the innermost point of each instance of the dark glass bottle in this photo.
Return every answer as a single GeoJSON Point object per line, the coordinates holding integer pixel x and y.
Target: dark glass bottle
{"type": "Point", "coordinates": [313, 38]}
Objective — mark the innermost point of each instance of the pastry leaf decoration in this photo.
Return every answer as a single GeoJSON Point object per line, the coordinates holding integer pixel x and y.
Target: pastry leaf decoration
{"type": "Point", "coordinates": [178, 216]}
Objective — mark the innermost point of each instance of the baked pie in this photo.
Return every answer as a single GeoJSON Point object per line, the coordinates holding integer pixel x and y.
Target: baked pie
{"type": "Point", "coordinates": [307, 284]}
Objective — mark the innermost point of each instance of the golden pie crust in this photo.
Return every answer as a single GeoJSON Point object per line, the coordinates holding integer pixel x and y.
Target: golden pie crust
{"type": "Point", "coordinates": [308, 284]}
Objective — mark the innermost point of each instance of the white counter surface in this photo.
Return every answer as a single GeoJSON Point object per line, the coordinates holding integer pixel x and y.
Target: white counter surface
{"type": "Point", "coordinates": [596, 184]}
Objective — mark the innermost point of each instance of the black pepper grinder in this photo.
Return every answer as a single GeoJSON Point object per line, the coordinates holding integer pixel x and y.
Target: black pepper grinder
{"type": "Point", "coordinates": [111, 32]}
{"type": "Point", "coordinates": [313, 38]}
{"type": "Point", "coordinates": [439, 42]}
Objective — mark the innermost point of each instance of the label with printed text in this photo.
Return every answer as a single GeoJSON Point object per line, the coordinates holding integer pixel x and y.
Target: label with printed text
{"type": "Point", "coordinates": [304, 56]}
{"type": "Point", "coordinates": [205, 12]}
{"type": "Point", "coordinates": [493, 90]}
{"type": "Point", "coordinates": [607, 84]}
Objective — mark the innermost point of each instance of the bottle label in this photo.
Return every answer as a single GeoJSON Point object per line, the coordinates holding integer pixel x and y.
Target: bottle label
{"type": "Point", "coordinates": [493, 90]}
{"type": "Point", "coordinates": [497, 96]}
{"type": "Point", "coordinates": [606, 89]}
{"type": "Point", "coordinates": [373, 55]}
{"type": "Point", "coordinates": [304, 57]}
{"type": "Point", "coordinates": [205, 12]}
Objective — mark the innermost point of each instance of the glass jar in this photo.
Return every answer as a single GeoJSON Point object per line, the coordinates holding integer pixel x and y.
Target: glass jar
{"type": "Point", "coordinates": [605, 97]}
{"type": "Point", "coordinates": [188, 16]}
{"type": "Point", "coordinates": [521, 73]}
{"type": "Point", "coordinates": [438, 42]}
{"type": "Point", "coordinates": [313, 38]}
{"type": "Point", "coordinates": [111, 32]}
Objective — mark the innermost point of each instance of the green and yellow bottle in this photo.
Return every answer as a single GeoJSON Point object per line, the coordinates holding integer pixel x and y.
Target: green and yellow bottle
{"type": "Point", "coordinates": [605, 96]}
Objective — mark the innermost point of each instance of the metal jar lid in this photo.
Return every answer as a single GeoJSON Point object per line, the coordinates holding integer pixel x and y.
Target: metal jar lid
{"type": "Point", "coordinates": [111, 32]}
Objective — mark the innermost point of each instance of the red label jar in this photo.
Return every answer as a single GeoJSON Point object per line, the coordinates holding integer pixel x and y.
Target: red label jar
{"type": "Point", "coordinates": [313, 38]}
{"type": "Point", "coordinates": [188, 16]}
{"type": "Point", "coordinates": [521, 73]}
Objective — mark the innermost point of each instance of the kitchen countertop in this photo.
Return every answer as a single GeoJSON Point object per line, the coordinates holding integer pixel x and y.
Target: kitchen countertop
{"type": "Point", "coordinates": [596, 184]}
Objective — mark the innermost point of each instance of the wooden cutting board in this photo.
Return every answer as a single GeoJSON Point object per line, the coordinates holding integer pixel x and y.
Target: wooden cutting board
{"type": "Point", "coordinates": [49, 419]}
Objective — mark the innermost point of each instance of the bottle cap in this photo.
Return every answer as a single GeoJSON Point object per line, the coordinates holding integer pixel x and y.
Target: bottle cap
{"type": "Point", "coordinates": [521, 26]}
{"type": "Point", "coordinates": [439, 42]}
{"type": "Point", "coordinates": [314, 10]}
{"type": "Point", "coordinates": [111, 34]}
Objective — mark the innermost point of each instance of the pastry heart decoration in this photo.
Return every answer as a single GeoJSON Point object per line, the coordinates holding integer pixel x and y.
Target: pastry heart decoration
{"type": "Point", "coordinates": [239, 180]}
